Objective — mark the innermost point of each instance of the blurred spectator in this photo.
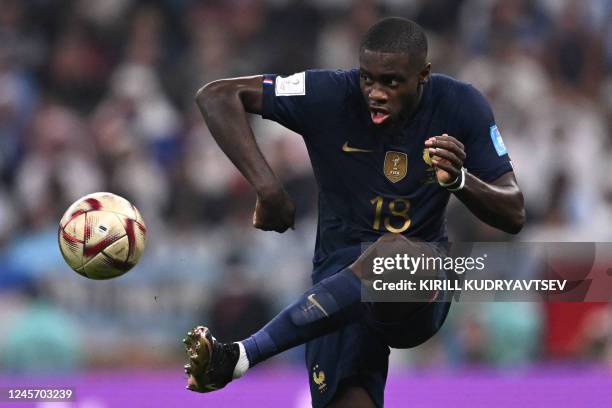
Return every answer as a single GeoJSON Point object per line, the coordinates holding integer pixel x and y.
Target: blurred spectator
{"type": "Point", "coordinates": [240, 310]}
{"type": "Point", "coordinates": [339, 41]}
{"type": "Point", "coordinates": [59, 167]}
{"type": "Point", "coordinates": [40, 337]}
{"type": "Point", "coordinates": [596, 341]}
{"type": "Point", "coordinates": [575, 53]}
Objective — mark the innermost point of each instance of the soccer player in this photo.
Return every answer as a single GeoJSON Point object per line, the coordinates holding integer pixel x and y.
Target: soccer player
{"type": "Point", "coordinates": [389, 143]}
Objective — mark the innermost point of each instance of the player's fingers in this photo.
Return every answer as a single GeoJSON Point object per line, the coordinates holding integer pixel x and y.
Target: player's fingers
{"type": "Point", "coordinates": [256, 222]}
{"type": "Point", "coordinates": [445, 154]}
{"type": "Point", "coordinates": [450, 146]}
{"type": "Point", "coordinates": [447, 167]}
{"type": "Point", "coordinates": [443, 137]}
{"type": "Point", "coordinates": [447, 142]}
{"type": "Point", "coordinates": [282, 228]}
{"type": "Point", "coordinates": [286, 222]}
{"type": "Point", "coordinates": [262, 226]}
{"type": "Point", "coordinates": [452, 139]}
{"type": "Point", "coordinates": [259, 222]}
{"type": "Point", "coordinates": [269, 225]}
{"type": "Point", "coordinates": [266, 226]}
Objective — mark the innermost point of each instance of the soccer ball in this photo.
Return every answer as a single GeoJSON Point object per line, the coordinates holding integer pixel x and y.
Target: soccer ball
{"type": "Point", "coordinates": [102, 236]}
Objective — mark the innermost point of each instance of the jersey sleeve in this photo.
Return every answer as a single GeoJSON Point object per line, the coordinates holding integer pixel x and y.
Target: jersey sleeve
{"type": "Point", "coordinates": [306, 100]}
{"type": "Point", "coordinates": [486, 154]}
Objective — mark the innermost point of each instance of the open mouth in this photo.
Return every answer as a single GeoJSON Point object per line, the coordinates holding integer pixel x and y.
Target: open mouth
{"type": "Point", "coordinates": [378, 115]}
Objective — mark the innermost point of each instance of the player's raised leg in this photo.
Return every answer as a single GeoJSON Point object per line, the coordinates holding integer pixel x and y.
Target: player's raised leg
{"type": "Point", "coordinates": [326, 307]}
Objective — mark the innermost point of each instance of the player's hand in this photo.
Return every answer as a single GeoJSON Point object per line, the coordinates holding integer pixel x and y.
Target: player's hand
{"type": "Point", "coordinates": [274, 212]}
{"type": "Point", "coordinates": [447, 156]}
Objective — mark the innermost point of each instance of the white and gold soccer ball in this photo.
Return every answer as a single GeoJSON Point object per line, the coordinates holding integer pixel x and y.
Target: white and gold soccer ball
{"type": "Point", "coordinates": [102, 236]}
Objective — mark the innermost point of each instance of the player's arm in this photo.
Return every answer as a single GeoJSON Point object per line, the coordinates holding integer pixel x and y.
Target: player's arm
{"type": "Point", "coordinates": [498, 203]}
{"type": "Point", "coordinates": [224, 104]}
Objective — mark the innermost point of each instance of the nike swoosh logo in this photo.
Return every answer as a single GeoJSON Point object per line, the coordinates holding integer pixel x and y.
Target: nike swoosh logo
{"type": "Point", "coordinates": [317, 304]}
{"type": "Point", "coordinates": [348, 149]}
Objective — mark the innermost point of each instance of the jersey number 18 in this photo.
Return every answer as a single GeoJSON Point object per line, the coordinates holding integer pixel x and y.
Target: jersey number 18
{"type": "Point", "coordinates": [399, 214]}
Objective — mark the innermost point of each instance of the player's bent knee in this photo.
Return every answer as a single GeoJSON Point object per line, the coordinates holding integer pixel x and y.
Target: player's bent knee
{"type": "Point", "coordinates": [391, 247]}
{"type": "Point", "coordinates": [414, 331]}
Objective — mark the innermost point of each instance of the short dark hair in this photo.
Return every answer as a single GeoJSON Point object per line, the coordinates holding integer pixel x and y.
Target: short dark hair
{"type": "Point", "coordinates": [396, 35]}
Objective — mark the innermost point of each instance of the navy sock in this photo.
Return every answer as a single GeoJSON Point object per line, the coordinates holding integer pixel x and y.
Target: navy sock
{"type": "Point", "coordinates": [327, 306]}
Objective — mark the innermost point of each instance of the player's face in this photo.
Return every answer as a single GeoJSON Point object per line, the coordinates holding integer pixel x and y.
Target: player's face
{"type": "Point", "coordinates": [391, 85]}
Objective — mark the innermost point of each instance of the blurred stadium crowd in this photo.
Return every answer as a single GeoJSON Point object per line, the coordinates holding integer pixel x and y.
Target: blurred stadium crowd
{"type": "Point", "coordinates": [99, 96]}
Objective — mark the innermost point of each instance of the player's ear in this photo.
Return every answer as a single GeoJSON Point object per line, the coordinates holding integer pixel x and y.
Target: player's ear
{"type": "Point", "coordinates": [424, 74]}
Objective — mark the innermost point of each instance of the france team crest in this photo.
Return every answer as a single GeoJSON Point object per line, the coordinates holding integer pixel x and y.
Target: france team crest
{"type": "Point", "coordinates": [500, 147]}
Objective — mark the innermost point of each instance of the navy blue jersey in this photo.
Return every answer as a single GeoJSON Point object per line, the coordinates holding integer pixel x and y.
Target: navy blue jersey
{"type": "Point", "coordinates": [369, 183]}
